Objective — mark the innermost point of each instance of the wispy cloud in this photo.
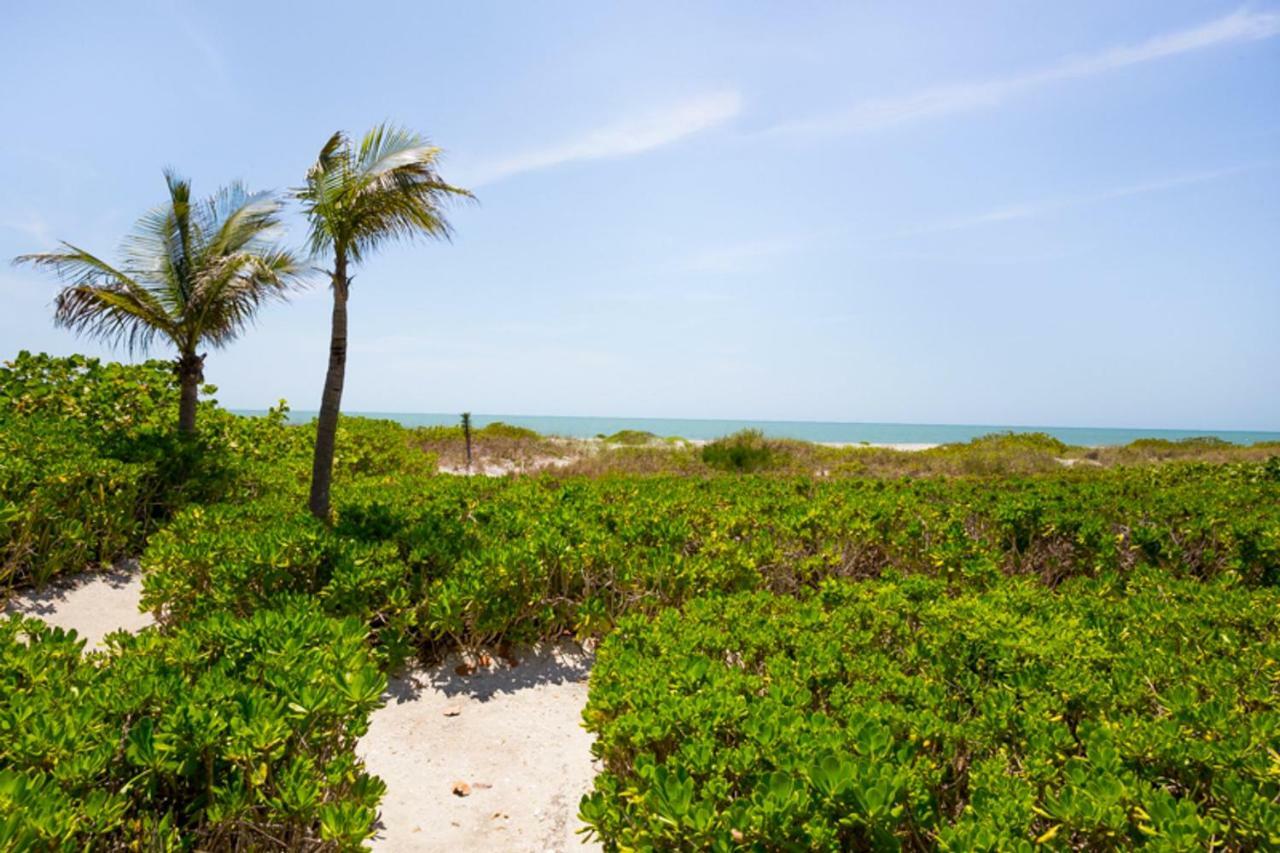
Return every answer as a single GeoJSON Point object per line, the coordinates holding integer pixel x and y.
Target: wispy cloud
{"type": "Point", "coordinates": [31, 224]}
{"type": "Point", "coordinates": [738, 257]}
{"type": "Point", "coordinates": [619, 139]}
{"type": "Point", "coordinates": [201, 44]}
{"type": "Point", "coordinates": [1044, 207]}
{"type": "Point", "coordinates": [1240, 26]}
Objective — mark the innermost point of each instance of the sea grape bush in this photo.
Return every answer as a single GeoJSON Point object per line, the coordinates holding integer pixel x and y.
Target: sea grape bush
{"type": "Point", "coordinates": [229, 734]}
{"type": "Point", "coordinates": [64, 507]}
{"type": "Point", "coordinates": [90, 464]}
{"type": "Point", "coordinates": [76, 484]}
{"type": "Point", "coordinates": [1113, 712]}
{"type": "Point", "coordinates": [370, 447]}
{"type": "Point", "coordinates": [236, 559]}
{"type": "Point", "coordinates": [112, 405]}
{"type": "Point", "coordinates": [470, 560]}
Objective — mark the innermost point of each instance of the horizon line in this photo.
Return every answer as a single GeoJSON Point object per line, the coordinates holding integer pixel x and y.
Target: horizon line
{"type": "Point", "coordinates": [492, 415]}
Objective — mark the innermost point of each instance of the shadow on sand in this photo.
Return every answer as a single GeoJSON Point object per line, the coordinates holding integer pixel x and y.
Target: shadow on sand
{"type": "Point", "coordinates": [545, 663]}
{"type": "Point", "coordinates": [46, 600]}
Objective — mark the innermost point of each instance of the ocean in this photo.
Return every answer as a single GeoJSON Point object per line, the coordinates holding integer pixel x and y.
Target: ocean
{"type": "Point", "coordinates": [871, 433]}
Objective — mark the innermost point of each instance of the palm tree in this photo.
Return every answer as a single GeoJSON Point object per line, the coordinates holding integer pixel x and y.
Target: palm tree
{"type": "Point", "coordinates": [193, 275]}
{"type": "Point", "coordinates": [357, 198]}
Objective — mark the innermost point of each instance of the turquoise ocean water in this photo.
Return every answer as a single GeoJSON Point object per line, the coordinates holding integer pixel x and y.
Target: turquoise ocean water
{"type": "Point", "coordinates": [873, 433]}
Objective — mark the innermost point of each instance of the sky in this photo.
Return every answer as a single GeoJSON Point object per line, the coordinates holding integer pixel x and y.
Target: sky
{"type": "Point", "coordinates": [1060, 214]}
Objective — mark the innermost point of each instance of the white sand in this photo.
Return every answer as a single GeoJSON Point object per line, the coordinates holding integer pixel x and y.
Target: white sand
{"type": "Point", "coordinates": [502, 468]}
{"type": "Point", "coordinates": [93, 603]}
{"type": "Point", "coordinates": [512, 734]}
{"type": "Point", "coordinates": [592, 446]}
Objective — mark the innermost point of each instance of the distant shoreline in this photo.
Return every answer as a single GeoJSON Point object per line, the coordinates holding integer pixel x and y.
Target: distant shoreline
{"type": "Point", "coordinates": [899, 436]}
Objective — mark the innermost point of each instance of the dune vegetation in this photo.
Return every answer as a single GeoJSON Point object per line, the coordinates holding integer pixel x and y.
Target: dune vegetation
{"type": "Point", "coordinates": [969, 650]}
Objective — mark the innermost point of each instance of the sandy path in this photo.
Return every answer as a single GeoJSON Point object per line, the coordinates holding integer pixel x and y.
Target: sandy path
{"type": "Point", "coordinates": [513, 734]}
{"type": "Point", "coordinates": [93, 603]}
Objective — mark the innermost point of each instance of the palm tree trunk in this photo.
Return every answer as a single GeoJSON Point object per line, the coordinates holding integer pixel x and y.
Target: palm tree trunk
{"type": "Point", "coordinates": [190, 369]}
{"type": "Point", "coordinates": [331, 400]}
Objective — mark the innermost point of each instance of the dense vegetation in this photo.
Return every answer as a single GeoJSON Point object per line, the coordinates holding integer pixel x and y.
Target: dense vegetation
{"type": "Point", "coordinates": [966, 610]}
{"type": "Point", "coordinates": [474, 561]}
{"type": "Point", "coordinates": [218, 733]}
{"type": "Point", "coordinates": [1114, 712]}
{"type": "Point", "coordinates": [228, 734]}
{"type": "Point", "coordinates": [989, 456]}
{"type": "Point", "coordinates": [90, 462]}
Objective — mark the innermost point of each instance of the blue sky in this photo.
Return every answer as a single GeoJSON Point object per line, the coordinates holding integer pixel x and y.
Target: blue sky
{"type": "Point", "coordinates": [1052, 213]}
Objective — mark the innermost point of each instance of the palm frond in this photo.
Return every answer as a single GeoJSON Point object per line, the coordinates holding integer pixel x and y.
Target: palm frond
{"type": "Point", "coordinates": [385, 189]}
{"type": "Point", "coordinates": [194, 272]}
{"type": "Point", "coordinates": [322, 195]}
{"type": "Point", "coordinates": [112, 313]}
{"type": "Point", "coordinates": [231, 292]}
{"type": "Point", "coordinates": [74, 266]}
{"type": "Point", "coordinates": [239, 220]}
{"type": "Point", "coordinates": [387, 147]}
{"type": "Point", "coordinates": [180, 223]}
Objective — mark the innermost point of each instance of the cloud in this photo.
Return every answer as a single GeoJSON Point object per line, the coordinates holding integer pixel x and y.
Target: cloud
{"type": "Point", "coordinates": [739, 257]}
{"type": "Point", "coordinates": [33, 225]}
{"type": "Point", "coordinates": [1042, 207]}
{"type": "Point", "coordinates": [620, 139]}
{"type": "Point", "coordinates": [201, 44]}
{"type": "Point", "coordinates": [1240, 26]}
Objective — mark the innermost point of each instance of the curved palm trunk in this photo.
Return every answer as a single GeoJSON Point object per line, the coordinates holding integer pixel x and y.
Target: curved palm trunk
{"type": "Point", "coordinates": [190, 369]}
{"type": "Point", "coordinates": [331, 400]}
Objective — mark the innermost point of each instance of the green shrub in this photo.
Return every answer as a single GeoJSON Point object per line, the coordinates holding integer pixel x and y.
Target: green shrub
{"type": "Point", "coordinates": [369, 447]}
{"type": "Point", "coordinates": [442, 560]}
{"type": "Point", "coordinates": [228, 734]}
{"type": "Point", "coordinates": [113, 407]}
{"type": "Point", "coordinates": [1164, 445]}
{"type": "Point", "coordinates": [428, 434]}
{"type": "Point", "coordinates": [497, 444]}
{"type": "Point", "coordinates": [999, 454]}
{"type": "Point", "coordinates": [631, 437]}
{"type": "Point", "coordinates": [498, 429]}
{"type": "Point", "coordinates": [990, 457]}
{"type": "Point", "coordinates": [90, 463]}
{"type": "Point", "coordinates": [742, 452]}
{"type": "Point", "coordinates": [888, 714]}
{"type": "Point", "coordinates": [239, 558]}
{"type": "Point", "coordinates": [1146, 451]}
{"type": "Point", "coordinates": [62, 508]}
{"type": "Point", "coordinates": [1024, 440]}
{"type": "Point", "coordinates": [84, 466]}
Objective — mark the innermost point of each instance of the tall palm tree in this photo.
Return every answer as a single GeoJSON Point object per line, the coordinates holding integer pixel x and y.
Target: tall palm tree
{"type": "Point", "coordinates": [357, 198]}
{"type": "Point", "coordinates": [193, 275]}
